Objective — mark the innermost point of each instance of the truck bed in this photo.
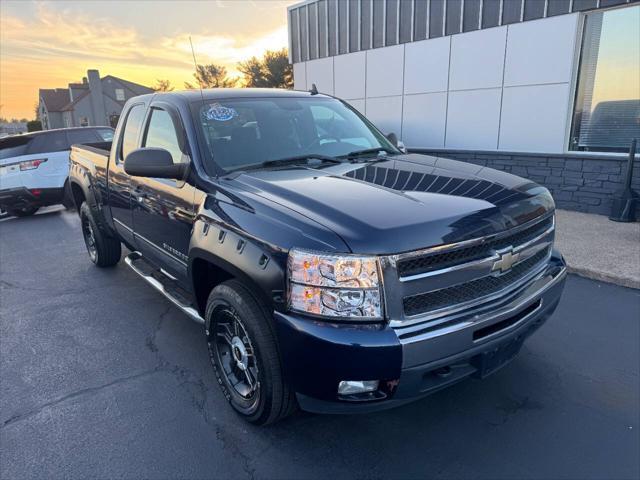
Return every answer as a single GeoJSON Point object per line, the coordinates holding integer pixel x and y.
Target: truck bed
{"type": "Point", "coordinates": [91, 154]}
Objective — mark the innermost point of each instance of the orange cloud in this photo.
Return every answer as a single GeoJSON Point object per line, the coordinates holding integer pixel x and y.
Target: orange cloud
{"type": "Point", "coordinates": [58, 46]}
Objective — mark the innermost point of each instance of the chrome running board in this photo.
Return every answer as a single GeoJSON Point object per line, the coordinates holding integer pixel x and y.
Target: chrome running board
{"type": "Point", "coordinates": [155, 283]}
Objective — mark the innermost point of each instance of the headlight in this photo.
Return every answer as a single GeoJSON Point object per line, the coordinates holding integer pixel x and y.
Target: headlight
{"type": "Point", "coordinates": [344, 286]}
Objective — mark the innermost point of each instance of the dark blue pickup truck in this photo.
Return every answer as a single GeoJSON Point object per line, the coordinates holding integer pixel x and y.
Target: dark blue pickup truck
{"type": "Point", "coordinates": [331, 270]}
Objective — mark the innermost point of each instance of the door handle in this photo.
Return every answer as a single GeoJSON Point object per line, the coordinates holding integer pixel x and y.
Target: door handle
{"type": "Point", "coordinates": [140, 193]}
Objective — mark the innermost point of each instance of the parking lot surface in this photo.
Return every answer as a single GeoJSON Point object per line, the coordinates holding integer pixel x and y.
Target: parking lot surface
{"type": "Point", "coordinates": [102, 377]}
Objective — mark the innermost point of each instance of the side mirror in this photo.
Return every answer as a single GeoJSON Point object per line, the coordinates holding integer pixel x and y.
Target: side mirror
{"type": "Point", "coordinates": [153, 163]}
{"type": "Point", "coordinates": [393, 138]}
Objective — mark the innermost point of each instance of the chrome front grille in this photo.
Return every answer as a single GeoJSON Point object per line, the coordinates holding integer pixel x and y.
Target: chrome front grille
{"type": "Point", "coordinates": [435, 283]}
{"type": "Point", "coordinates": [438, 260]}
{"type": "Point", "coordinates": [463, 293]}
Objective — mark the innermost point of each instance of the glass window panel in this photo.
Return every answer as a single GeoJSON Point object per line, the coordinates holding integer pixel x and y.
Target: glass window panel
{"type": "Point", "coordinates": [533, 9]}
{"type": "Point", "coordinates": [420, 20]}
{"type": "Point", "coordinates": [365, 29]}
{"type": "Point", "coordinates": [471, 15]}
{"type": "Point", "coordinates": [131, 130]}
{"type": "Point", "coordinates": [490, 13]}
{"type": "Point", "coordinates": [304, 34]}
{"type": "Point", "coordinates": [406, 10]}
{"type": "Point", "coordinates": [392, 22]}
{"type": "Point", "coordinates": [607, 108]}
{"type": "Point", "coordinates": [511, 12]}
{"type": "Point", "coordinates": [378, 23]}
{"type": "Point", "coordinates": [343, 26]}
{"type": "Point", "coordinates": [453, 16]}
{"type": "Point", "coordinates": [333, 43]}
{"type": "Point", "coordinates": [161, 133]}
{"type": "Point", "coordinates": [322, 27]}
{"type": "Point", "coordinates": [295, 43]}
{"type": "Point", "coordinates": [558, 7]}
{"type": "Point", "coordinates": [354, 22]}
{"type": "Point", "coordinates": [435, 18]}
{"type": "Point", "coordinates": [313, 30]}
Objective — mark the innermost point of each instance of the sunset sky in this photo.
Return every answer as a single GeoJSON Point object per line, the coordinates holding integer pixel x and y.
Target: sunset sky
{"type": "Point", "coordinates": [50, 44]}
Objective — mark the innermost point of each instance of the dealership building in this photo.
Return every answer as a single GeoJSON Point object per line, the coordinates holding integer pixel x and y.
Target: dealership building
{"type": "Point", "coordinates": [545, 89]}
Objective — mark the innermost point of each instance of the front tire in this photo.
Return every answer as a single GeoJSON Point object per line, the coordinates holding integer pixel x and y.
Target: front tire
{"type": "Point", "coordinates": [244, 355]}
{"type": "Point", "coordinates": [103, 250]}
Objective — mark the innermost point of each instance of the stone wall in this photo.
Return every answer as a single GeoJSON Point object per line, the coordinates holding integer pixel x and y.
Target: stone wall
{"type": "Point", "coordinates": [581, 182]}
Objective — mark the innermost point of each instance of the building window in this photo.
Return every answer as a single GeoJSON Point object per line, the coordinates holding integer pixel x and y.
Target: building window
{"type": "Point", "coordinates": [120, 94]}
{"type": "Point", "coordinates": [606, 116]}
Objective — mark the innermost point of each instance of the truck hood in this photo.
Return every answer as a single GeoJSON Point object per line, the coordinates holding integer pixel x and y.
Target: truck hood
{"type": "Point", "coordinates": [405, 202]}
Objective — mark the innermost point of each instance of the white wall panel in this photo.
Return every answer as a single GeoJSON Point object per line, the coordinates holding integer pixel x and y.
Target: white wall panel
{"type": "Point", "coordinates": [385, 113]}
{"type": "Point", "coordinates": [477, 59]}
{"type": "Point", "coordinates": [358, 104]}
{"type": "Point", "coordinates": [534, 118]}
{"type": "Point", "coordinates": [426, 66]}
{"type": "Point", "coordinates": [320, 72]}
{"type": "Point", "coordinates": [424, 119]}
{"type": "Point", "coordinates": [541, 51]}
{"type": "Point", "coordinates": [384, 71]}
{"type": "Point", "coordinates": [350, 75]}
{"type": "Point", "coordinates": [299, 76]}
{"type": "Point", "coordinates": [472, 119]}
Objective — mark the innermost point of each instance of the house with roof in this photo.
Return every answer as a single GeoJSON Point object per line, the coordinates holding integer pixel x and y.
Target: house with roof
{"type": "Point", "coordinates": [94, 102]}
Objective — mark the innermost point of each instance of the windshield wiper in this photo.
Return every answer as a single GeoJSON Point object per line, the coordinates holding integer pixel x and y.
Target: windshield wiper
{"type": "Point", "coordinates": [280, 162]}
{"type": "Point", "coordinates": [367, 151]}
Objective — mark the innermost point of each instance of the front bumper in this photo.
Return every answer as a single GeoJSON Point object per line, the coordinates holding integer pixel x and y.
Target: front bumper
{"type": "Point", "coordinates": [12, 198]}
{"type": "Point", "coordinates": [412, 363]}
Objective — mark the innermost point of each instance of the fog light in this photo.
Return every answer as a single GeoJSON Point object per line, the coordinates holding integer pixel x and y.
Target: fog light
{"type": "Point", "coordinates": [351, 387]}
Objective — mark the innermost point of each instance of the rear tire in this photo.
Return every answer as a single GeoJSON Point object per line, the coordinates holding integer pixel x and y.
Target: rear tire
{"type": "Point", "coordinates": [24, 211]}
{"type": "Point", "coordinates": [103, 250]}
{"type": "Point", "coordinates": [244, 355]}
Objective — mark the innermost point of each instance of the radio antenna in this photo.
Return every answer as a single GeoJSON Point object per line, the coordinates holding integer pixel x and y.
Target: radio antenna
{"type": "Point", "coordinates": [195, 65]}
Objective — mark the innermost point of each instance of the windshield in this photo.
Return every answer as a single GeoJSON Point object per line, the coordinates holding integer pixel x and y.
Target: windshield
{"type": "Point", "coordinates": [241, 133]}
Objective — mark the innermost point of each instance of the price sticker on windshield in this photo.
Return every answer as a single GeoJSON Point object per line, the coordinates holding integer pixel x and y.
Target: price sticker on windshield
{"type": "Point", "coordinates": [220, 113]}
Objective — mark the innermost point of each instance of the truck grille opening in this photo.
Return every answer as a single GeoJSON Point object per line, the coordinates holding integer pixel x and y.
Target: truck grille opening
{"type": "Point", "coordinates": [437, 261]}
{"type": "Point", "coordinates": [497, 327]}
{"type": "Point", "coordinates": [474, 290]}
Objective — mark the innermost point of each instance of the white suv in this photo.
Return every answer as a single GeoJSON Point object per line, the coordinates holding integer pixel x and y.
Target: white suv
{"type": "Point", "coordinates": [34, 167]}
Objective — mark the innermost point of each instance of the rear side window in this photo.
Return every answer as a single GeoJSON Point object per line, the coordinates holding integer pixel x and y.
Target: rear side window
{"type": "Point", "coordinates": [131, 130]}
{"type": "Point", "coordinates": [14, 146]}
{"type": "Point", "coordinates": [161, 133]}
{"type": "Point", "coordinates": [83, 136]}
{"type": "Point", "coordinates": [105, 134]}
{"type": "Point", "coordinates": [49, 142]}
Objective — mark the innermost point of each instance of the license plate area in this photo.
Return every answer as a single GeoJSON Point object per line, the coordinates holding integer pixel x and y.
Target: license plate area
{"type": "Point", "coordinates": [489, 362]}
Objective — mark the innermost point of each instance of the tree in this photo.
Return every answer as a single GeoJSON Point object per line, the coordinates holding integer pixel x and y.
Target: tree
{"type": "Point", "coordinates": [163, 86]}
{"type": "Point", "coordinates": [272, 71]}
{"type": "Point", "coordinates": [211, 76]}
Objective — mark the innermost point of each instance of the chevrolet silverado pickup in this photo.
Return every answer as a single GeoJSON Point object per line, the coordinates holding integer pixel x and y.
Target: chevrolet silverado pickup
{"type": "Point", "coordinates": [330, 270]}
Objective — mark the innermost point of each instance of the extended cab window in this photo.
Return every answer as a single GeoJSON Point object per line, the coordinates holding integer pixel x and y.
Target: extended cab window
{"type": "Point", "coordinates": [161, 133]}
{"type": "Point", "coordinates": [131, 131]}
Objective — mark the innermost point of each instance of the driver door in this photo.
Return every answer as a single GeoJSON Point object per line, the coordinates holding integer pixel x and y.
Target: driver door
{"type": "Point", "coordinates": [163, 209]}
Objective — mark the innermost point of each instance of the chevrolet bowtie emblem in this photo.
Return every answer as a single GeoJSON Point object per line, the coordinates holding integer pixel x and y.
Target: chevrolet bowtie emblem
{"type": "Point", "coordinates": [507, 260]}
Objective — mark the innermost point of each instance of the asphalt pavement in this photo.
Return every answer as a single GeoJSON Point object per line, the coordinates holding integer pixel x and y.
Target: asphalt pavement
{"type": "Point", "coordinates": [100, 377]}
